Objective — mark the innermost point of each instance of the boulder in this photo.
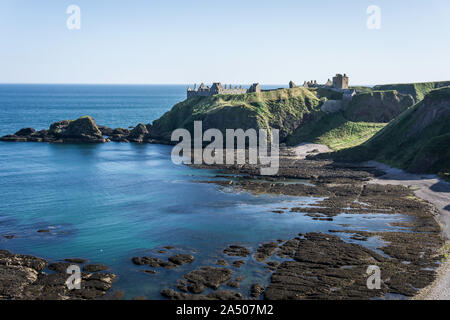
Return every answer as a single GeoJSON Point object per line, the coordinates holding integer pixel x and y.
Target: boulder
{"type": "Point", "coordinates": [82, 127]}
{"type": "Point", "coordinates": [25, 132]}
{"type": "Point", "coordinates": [138, 133]}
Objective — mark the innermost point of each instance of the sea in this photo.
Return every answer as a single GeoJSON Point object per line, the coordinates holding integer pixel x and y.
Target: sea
{"type": "Point", "coordinates": [111, 202]}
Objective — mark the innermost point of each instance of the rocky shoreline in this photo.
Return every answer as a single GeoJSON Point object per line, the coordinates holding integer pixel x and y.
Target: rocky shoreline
{"type": "Point", "coordinates": [23, 277]}
{"type": "Point", "coordinates": [82, 130]}
{"type": "Point", "coordinates": [309, 266]}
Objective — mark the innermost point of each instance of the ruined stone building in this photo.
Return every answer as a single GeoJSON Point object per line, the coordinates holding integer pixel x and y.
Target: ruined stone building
{"type": "Point", "coordinates": [217, 88]}
{"type": "Point", "coordinates": [340, 82]}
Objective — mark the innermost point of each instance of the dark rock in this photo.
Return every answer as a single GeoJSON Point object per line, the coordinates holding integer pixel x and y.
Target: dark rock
{"type": "Point", "coordinates": [257, 290]}
{"type": "Point", "coordinates": [25, 132]}
{"type": "Point", "coordinates": [95, 268]}
{"type": "Point", "coordinates": [13, 138]}
{"type": "Point", "coordinates": [221, 262]}
{"type": "Point", "coordinates": [82, 127]}
{"type": "Point", "coordinates": [149, 271]}
{"type": "Point", "coordinates": [209, 277]}
{"type": "Point", "coordinates": [233, 284]}
{"type": "Point", "coordinates": [58, 127]}
{"type": "Point", "coordinates": [168, 265]}
{"type": "Point", "coordinates": [21, 278]}
{"type": "Point", "coordinates": [219, 295]}
{"type": "Point", "coordinates": [75, 260]}
{"type": "Point", "coordinates": [265, 251]}
{"type": "Point", "coordinates": [153, 262]}
{"type": "Point", "coordinates": [321, 270]}
{"type": "Point", "coordinates": [181, 259]}
{"type": "Point", "coordinates": [238, 263]}
{"type": "Point", "coordinates": [272, 265]}
{"type": "Point", "coordinates": [59, 266]}
{"type": "Point", "coordinates": [106, 131]}
{"type": "Point", "coordinates": [138, 133]}
{"type": "Point", "coordinates": [237, 251]}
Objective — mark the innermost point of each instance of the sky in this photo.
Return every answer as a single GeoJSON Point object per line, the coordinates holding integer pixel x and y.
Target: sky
{"type": "Point", "coordinates": [239, 42]}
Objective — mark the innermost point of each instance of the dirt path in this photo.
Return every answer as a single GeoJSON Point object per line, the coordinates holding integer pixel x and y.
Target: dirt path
{"type": "Point", "coordinates": [437, 192]}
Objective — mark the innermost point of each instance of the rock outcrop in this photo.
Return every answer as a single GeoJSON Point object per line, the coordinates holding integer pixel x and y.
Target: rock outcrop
{"type": "Point", "coordinates": [82, 130]}
{"type": "Point", "coordinates": [22, 278]}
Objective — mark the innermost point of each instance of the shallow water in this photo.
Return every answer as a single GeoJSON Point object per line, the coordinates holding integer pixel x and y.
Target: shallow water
{"type": "Point", "coordinates": [110, 202]}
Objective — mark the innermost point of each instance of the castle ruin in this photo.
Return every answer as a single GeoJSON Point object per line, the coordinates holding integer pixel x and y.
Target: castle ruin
{"type": "Point", "coordinates": [217, 88]}
{"type": "Point", "coordinates": [340, 83]}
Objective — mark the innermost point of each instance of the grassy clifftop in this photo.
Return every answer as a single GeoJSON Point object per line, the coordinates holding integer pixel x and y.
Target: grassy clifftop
{"type": "Point", "coordinates": [416, 90]}
{"type": "Point", "coordinates": [418, 140]}
{"type": "Point", "coordinates": [283, 109]}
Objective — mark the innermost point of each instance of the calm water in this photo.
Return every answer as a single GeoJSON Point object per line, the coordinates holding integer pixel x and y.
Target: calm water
{"type": "Point", "coordinates": [110, 202]}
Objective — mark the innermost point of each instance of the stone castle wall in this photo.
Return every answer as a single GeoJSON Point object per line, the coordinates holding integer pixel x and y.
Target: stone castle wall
{"type": "Point", "coordinates": [217, 88]}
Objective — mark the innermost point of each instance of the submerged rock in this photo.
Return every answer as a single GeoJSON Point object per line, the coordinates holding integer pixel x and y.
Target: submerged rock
{"type": "Point", "coordinates": [237, 251]}
{"type": "Point", "coordinates": [209, 277]}
{"type": "Point", "coordinates": [181, 259]}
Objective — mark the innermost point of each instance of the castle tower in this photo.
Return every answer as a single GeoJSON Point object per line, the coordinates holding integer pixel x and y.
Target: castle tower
{"type": "Point", "coordinates": [340, 82]}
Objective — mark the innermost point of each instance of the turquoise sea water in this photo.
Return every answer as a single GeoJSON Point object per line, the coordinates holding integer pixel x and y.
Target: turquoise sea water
{"type": "Point", "coordinates": [110, 202]}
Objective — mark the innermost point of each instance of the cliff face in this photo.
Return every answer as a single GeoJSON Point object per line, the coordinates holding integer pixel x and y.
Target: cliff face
{"type": "Point", "coordinates": [283, 109]}
{"type": "Point", "coordinates": [417, 140]}
{"type": "Point", "coordinates": [417, 90]}
{"type": "Point", "coordinates": [378, 106]}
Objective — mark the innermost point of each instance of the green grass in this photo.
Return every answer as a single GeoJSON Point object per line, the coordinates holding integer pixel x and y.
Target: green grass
{"type": "Point", "coordinates": [282, 109]}
{"type": "Point", "coordinates": [362, 89]}
{"type": "Point", "coordinates": [417, 90]}
{"type": "Point", "coordinates": [415, 141]}
{"type": "Point", "coordinates": [335, 131]}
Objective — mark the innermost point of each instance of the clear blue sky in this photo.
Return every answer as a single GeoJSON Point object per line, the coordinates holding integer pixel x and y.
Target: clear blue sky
{"type": "Point", "coordinates": [229, 41]}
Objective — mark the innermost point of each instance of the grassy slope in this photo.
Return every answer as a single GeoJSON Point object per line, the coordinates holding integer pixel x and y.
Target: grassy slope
{"type": "Point", "coordinates": [418, 140]}
{"type": "Point", "coordinates": [284, 109]}
{"type": "Point", "coordinates": [417, 90]}
{"type": "Point", "coordinates": [335, 131]}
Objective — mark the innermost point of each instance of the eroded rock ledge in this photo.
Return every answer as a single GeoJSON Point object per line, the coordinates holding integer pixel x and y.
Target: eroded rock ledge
{"type": "Point", "coordinates": [22, 277]}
